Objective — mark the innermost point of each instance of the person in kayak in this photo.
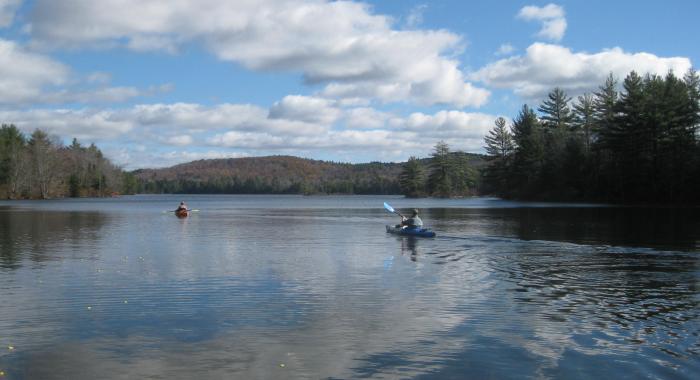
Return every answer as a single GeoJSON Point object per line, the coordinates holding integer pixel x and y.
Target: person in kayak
{"type": "Point", "coordinates": [182, 207]}
{"type": "Point", "coordinates": [413, 222]}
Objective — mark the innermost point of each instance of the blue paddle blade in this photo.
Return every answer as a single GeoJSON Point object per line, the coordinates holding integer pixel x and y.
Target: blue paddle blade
{"type": "Point", "coordinates": [389, 208]}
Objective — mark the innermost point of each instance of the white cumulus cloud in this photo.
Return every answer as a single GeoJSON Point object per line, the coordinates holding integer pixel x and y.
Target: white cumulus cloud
{"type": "Point", "coordinates": [28, 77]}
{"type": "Point", "coordinates": [367, 130]}
{"type": "Point", "coordinates": [306, 109]}
{"type": "Point", "coordinates": [451, 124]}
{"type": "Point", "coordinates": [194, 117]}
{"type": "Point", "coordinates": [545, 66]}
{"type": "Point", "coordinates": [551, 16]}
{"type": "Point", "coordinates": [140, 135]}
{"type": "Point", "coordinates": [341, 44]}
{"type": "Point", "coordinates": [365, 118]}
{"type": "Point", "coordinates": [25, 75]}
{"type": "Point", "coordinates": [89, 125]}
{"type": "Point", "coordinates": [180, 140]}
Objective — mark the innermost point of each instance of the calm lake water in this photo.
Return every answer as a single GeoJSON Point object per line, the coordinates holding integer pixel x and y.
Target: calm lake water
{"type": "Point", "coordinates": [277, 287]}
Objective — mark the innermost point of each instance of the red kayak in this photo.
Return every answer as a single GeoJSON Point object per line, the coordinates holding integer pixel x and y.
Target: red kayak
{"type": "Point", "coordinates": [182, 213]}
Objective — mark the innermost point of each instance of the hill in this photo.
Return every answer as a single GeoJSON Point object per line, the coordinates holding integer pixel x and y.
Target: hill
{"type": "Point", "coordinates": [276, 175]}
{"type": "Point", "coordinates": [271, 175]}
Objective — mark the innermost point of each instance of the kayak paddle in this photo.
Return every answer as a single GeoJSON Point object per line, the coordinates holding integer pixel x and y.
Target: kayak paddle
{"type": "Point", "coordinates": [391, 209]}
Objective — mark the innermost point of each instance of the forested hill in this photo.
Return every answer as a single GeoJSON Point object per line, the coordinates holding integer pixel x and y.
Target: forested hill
{"type": "Point", "coordinates": [277, 175]}
{"type": "Point", "coordinates": [271, 175]}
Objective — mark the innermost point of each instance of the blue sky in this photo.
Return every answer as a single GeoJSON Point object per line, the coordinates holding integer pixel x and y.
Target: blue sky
{"type": "Point", "coordinates": [158, 82]}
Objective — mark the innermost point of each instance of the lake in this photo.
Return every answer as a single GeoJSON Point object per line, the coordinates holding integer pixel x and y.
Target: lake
{"type": "Point", "coordinates": [313, 287]}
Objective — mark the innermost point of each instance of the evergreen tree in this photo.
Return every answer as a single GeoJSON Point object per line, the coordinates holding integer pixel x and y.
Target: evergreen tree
{"type": "Point", "coordinates": [557, 120]}
{"type": "Point", "coordinates": [678, 145]}
{"type": "Point", "coordinates": [500, 148]}
{"type": "Point", "coordinates": [604, 102]}
{"type": "Point", "coordinates": [692, 83]}
{"type": "Point", "coordinates": [13, 162]}
{"type": "Point", "coordinates": [584, 119]}
{"type": "Point", "coordinates": [629, 141]}
{"type": "Point", "coordinates": [499, 141]}
{"type": "Point", "coordinates": [439, 181]}
{"type": "Point", "coordinates": [529, 154]}
{"type": "Point", "coordinates": [412, 178]}
{"type": "Point", "coordinates": [664, 103]}
{"type": "Point", "coordinates": [604, 129]}
{"type": "Point", "coordinates": [574, 170]}
{"type": "Point", "coordinates": [463, 177]}
{"type": "Point", "coordinates": [641, 145]}
{"type": "Point", "coordinates": [555, 110]}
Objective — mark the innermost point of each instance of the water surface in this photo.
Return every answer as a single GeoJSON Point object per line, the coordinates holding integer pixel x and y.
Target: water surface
{"type": "Point", "coordinates": [312, 287]}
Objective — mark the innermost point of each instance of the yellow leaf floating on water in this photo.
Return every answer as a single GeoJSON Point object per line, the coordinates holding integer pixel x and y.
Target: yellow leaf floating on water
{"type": "Point", "coordinates": [11, 348]}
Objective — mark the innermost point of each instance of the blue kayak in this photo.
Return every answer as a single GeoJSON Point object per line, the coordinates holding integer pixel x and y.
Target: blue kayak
{"type": "Point", "coordinates": [422, 232]}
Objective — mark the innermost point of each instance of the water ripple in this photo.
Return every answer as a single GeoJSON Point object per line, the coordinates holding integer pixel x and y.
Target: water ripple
{"type": "Point", "coordinates": [245, 291]}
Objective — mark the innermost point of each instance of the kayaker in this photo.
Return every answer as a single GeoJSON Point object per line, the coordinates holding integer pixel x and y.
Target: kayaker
{"type": "Point", "coordinates": [413, 222]}
{"type": "Point", "coordinates": [181, 207]}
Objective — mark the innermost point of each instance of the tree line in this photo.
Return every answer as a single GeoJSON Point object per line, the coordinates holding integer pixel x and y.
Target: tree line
{"type": "Point", "coordinates": [445, 174]}
{"type": "Point", "coordinates": [636, 145]}
{"type": "Point", "coordinates": [40, 166]}
{"type": "Point", "coordinates": [260, 185]}
{"type": "Point", "coordinates": [271, 175]}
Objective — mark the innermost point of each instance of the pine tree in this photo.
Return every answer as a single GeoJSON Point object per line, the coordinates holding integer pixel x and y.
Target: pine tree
{"type": "Point", "coordinates": [529, 154]}
{"type": "Point", "coordinates": [13, 161]}
{"type": "Point", "coordinates": [629, 140]}
{"type": "Point", "coordinates": [555, 110]}
{"type": "Point", "coordinates": [583, 119]}
{"type": "Point", "coordinates": [664, 103]}
{"type": "Point", "coordinates": [499, 141]}
{"type": "Point", "coordinates": [439, 181]}
{"type": "Point", "coordinates": [557, 120]}
{"type": "Point", "coordinates": [680, 157]}
{"type": "Point", "coordinates": [604, 102]}
{"type": "Point", "coordinates": [640, 145]}
{"type": "Point", "coordinates": [463, 177]}
{"type": "Point", "coordinates": [692, 83]}
{"type": "Point", "coordinates": [500, 148]}
{"type": "Point", "coordinates": [412, 178]}
{"type": "Point", "coordinates": [604, 164]}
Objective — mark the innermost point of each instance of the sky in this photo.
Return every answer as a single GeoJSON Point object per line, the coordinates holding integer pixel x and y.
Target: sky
{"type": "Point", "coordinates": [154, 83]}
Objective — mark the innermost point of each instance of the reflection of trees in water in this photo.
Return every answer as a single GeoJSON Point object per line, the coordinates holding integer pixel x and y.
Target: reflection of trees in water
{"type": "Point", "coordinates": [674, 228]}
{"type": "Point", "coordinates": [653, 227]}
{"type": "Point", "coordinates": [642, 293]}
{"type": "Point", "coordinates": [638, 297]}
{"type": "Point", "coordinates": [36, 234]}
